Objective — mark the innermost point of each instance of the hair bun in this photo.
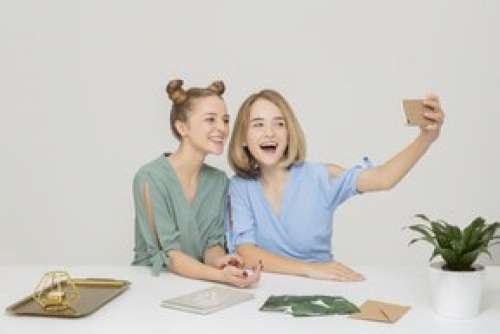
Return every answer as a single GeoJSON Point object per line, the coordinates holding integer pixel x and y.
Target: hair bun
{"type": "Point", "coordinates": [217, 87]}
{"type": "Point", "coordinates": [175, 91]}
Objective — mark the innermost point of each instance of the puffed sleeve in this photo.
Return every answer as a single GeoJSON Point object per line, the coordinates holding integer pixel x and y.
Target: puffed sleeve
{"type": "Point", "coordinates": [338, 189]}
{"type": "Point", "coordinates": [155, 225]}
{"type": "Point", "coordinates": [216, 236]}
{"type": "Point", "coordinates": [239, 218]}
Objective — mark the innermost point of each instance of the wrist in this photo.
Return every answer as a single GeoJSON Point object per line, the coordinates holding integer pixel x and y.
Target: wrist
{"type": "Point", "coordinates": [220, 276]}
{"type": "Point", "coordinates": [428, 137]}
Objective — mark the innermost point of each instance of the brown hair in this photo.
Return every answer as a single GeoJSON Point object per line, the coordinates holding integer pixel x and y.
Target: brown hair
{"type": "Point", "coordinates": [182, 100]}
{"type": "Point", "coordinates": [240, 158]}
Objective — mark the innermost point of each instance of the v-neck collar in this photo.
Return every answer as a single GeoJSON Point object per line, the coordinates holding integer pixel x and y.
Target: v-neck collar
{"type": "Point", "coordinates": [288, 183]}
{"type": "Point", "coordinates": [195, 202]}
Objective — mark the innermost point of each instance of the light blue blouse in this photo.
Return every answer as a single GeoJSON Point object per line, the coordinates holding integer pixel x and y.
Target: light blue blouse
{"type": "Point", "coordinates": [303, 230]}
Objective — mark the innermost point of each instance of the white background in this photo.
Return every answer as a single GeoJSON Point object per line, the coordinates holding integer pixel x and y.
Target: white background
{"type": "Point", "coordinates": [83, 107]}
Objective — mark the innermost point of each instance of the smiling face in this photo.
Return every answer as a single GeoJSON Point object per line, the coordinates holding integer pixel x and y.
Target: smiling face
{"type": "Point", "coordinates": [207, 125]}
{"type": "Point", "coordinates": [267, 133]}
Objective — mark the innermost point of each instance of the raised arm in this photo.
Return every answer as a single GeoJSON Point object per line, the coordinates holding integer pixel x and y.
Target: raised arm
{"type": "Point", "coordinates": [386, 176]}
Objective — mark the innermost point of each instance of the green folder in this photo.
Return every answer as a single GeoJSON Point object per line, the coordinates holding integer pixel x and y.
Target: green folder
{"type": "Point", "coordinates": [307, 306]}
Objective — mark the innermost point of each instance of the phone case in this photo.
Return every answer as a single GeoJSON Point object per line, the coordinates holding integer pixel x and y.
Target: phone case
{"type": "Point", "coordinates": [414, 110]}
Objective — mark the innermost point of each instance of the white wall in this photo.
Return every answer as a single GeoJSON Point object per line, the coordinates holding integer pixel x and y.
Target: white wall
{"type": "Point", "coordinates": [83, 106]}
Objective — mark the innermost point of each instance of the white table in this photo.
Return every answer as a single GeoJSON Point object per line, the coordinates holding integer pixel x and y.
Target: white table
{"type": "Point", "coordinates": [138, 310]}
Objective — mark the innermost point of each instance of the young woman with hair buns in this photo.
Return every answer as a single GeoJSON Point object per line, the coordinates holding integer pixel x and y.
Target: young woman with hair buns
{"type": "Point", "coordinates": [179, 200]}
{"type": "Point", "coordinates": [281, 207]}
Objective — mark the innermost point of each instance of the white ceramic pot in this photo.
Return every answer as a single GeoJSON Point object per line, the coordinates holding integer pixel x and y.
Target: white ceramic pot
{"type": "Point", "coordinates": [456, 294]}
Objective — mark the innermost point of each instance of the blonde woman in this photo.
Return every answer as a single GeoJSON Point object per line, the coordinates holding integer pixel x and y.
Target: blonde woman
{"type": "Point", "coordinates": [281, 207]}
{"type": "Point", "coordinates": [179, 200]}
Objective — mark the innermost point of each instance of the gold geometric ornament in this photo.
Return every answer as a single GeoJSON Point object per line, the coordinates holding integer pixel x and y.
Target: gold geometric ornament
{"type": "Point", "coordinates": [56, 291]}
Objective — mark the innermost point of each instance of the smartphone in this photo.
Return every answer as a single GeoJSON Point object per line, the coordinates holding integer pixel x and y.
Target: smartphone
{"type": "Point", "coordinates": [414, 112]}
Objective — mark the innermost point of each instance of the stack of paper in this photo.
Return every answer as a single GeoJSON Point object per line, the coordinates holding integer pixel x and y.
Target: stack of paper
{"type": "Point", "coordinates": [208, 300]}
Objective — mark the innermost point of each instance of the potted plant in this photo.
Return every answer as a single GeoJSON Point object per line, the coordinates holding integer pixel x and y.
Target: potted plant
{"type": "Point", "coordinates": [456, 282]}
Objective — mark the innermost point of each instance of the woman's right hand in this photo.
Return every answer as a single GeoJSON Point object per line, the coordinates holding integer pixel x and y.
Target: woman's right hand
{"type": "Point", "coordinates": [240, 277]}
{"type": "Point", "coordinates": [335, 271]}
{"type": "Point", "coordinates": [228, 260]}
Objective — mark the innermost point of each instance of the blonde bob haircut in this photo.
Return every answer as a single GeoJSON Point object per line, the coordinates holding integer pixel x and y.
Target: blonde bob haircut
{"type": "Point", "coordinates": [240, 158]}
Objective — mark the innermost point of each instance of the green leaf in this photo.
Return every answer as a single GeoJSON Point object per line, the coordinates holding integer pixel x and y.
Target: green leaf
{"type": "Point", "coordinates": [455, 245]}
{"type": "Point", "coordinates": [449, 257]}
{"type": "Point", "coordinates": [442, 222]}
{"type": "Point", "coordinates": [489, 232]}
{"type": "Point", "coordinates": [468, 259]}
{"type": "Point", "coordinates": [430, 240]}
{"type": "Point", "coordinates": [454, 232]}
{"type": "Point", "coordinates": [422, 229]}
{"type": "Point", "coordinates": [476, 225]}
{"type": "Point", "coordinates": [441, 235]}
{"type": "Point", "coordinates": [422, 216]}
{"type": "Point", "coordinates": [474, 240]}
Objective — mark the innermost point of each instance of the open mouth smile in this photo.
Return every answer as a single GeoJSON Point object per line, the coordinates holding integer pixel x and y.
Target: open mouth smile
{"type": "Point", "coordinates": [217, 139]}
{"type": "Point", "coordinates": [269, 147]}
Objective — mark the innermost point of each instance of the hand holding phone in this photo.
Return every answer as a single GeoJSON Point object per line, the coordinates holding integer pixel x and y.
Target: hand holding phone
{"type": "Point", "coordinates": [414, 113]}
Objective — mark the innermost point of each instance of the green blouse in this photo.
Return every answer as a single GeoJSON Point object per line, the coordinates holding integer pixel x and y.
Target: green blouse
{"type": "Point", "coordinates": [165, 220]}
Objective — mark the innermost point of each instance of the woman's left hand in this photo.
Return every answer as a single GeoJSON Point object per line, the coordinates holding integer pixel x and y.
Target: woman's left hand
{"type": "Point", "coordinates": [228, 260]}
{"type": "Point", "coordinates": [436, 115]}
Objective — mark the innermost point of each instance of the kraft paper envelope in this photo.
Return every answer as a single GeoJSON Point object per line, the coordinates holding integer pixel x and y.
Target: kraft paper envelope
{"type": "Point", "coordinates": [379, 311]}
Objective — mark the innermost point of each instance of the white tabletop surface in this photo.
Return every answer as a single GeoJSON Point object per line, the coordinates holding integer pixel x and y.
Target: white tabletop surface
{"type": "Point", "coordinates": [138, 309]}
